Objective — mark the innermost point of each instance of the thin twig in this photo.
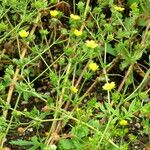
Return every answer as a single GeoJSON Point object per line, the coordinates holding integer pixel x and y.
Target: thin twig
{"type": "Point", "coordinates": [13, 83]}
{"type": "Point", "coordinates": [139, 70]}
{"type": "Point", "coordinates": [125, 77]}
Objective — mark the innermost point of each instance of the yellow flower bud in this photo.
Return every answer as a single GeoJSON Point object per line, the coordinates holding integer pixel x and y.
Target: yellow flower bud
{"type": "Point", "coordinates": [74, 17]}
{"type": "Point", "coordinates": [77, 32]}
{"type": "Point", "coordinates": [119, 8]}
{"type": "Point", "coordinates": [54, 13]}
{"type": "Point", "coordinates": [74, 89]}
{"type": "Point", "coordinates": [91, 44]}
{"type": "Point", "coordinates": [109, 86]}
{"type": "Point", "coordinates": [23, 33]}
{"type": "Point", "coordinates": [93, 66]}
{"type": "Point", "coordinates": [134, 6]}
{"type": "Point", "coordinates": [123, 122]}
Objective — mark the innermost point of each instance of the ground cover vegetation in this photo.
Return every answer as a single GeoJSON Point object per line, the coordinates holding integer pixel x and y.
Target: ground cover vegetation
{"type": "Point", "coordinates": [74, 74]}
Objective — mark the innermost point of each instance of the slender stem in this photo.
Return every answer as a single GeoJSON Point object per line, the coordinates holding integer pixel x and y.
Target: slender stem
{"type": "Point", "coordinates": [146, 77]}
{"type": "Point", "coordinates": [102, 137]}
{"type": "Point", "coordinates": [16, 104]}
{"type": "Point", "coordinates": [125, 77]}
{"type": "Point", "coordinates": [80, 78]}
{"type": "Point", "coordinates": [14, 80]}
{"type": "Point", "coordinates": [58, 106]}
{"type": "Point", "coordinates": [145, 34]}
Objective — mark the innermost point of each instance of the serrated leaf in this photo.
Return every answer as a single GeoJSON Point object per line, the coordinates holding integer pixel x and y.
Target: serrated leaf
{"type": "Point", "coordinates": [65, 144]}
{"type": "Point", "coordinates": [94, 123]}
{"type": "Point", "coordinates": [80, 131]}
{"type": "Point", "coordinates": [21, 143]}
{"type": "Point", "coordinates": [124, 64]}
{"type": "Point", "coordinates": [133, 1]}
{"type": "Point", "coordinates": [77, 144]}
{"type": "Point", "coordinates": [111, 50]}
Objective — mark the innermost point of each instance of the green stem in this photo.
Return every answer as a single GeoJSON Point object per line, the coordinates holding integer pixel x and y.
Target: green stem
{"type": "Point", "coordinates": [103, 134]}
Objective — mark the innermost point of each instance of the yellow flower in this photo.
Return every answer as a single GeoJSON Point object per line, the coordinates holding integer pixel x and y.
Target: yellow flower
{"type": "Point", "coordinates": [91, 44]}
{"type": "Point", "coordinates": [74, 89]}
{"type": "Point", "coordinates": [77, 32]}
{"type": "Point", "coordinates": [109, 86]}
{"type": "Point", "coordinates": [54, 13]}
{"type": "Point", "coordinates": [74, 17]}
{"type": "Point", "coordinates": [119, 8]}
{"type": "Point", "coordinates": [46, 133]}
{"type": "Point", "coordinates": [123, 122]}
{"type": "Point", "coordinates": [23, 33]}
{"type": "Point", "coordinates": [93, 66]}
{"type": "Point", "coordinates": [134, 6]}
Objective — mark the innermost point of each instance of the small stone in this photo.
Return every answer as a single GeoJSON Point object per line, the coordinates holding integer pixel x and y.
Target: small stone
{"type": "Point", "coordinates": [30, 129]}
{"type": "Point", "coordinates": [21, 130]}
{"type": "Point", "coordinates": [46, 108]}
{"type": "Point", "coordinates": [137, 125]}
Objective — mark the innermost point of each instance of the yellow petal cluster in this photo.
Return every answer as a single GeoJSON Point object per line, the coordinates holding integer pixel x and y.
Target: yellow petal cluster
{"type": "Point", "coordinates": [119, 8]}
{"type": "Point", "coordinates": [73, 89]}
{"type": "Point", "coordinates": [123, 122]}
{"type": "Point", "coordinates": [74, 17]}
{"type": "Point", "coordinates": [91, 44]}
{"type": "Point", "coordinates": [134, 6]}
{"type": "Point", "coordinates": [54, 13]}
{"type": "Point", "coordinates": [23, 33]}
{"type": "Point", "coordinates": [77, 32]}
{"type": "Point", "coordinates": [93, 66]}
{"type": "Point", "coordinates": [109, 86]}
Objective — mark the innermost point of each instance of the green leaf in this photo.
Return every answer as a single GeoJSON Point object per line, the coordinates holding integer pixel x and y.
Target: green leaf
{"type": "Point", "coordinates": [3, 26]}
{"type": "Point", "coordinates": [130, 79]}
{"type": "Point", "coordinates": [77, 144]}
{"type": "Point", "coordinates": [95, 123]}
{"type": "Point", "coordinates": [54, 78]}
{"type": "Point", "coordinates": [124, 64]}
{"type": "Point", "coordinates": [137, 55]}
{"type": "Point", "coordinates": [143, 95]}
{"type": "Point", "coordinates": [116, 96]}
{"type": "Point", "coordinates": [111, 50]}
{"type": "Point", "coordinates": [142, 22]}
{"type": "Point", "coordinates": [21, 143]}
{"type": "Point", "coordinates": [133, 1]}
{"type": "Point", "coordinates": [3, 125]}
{"type": "Point", "coordinates": [65, 144]}
{"type": "Point", "coordinates": [40, 4]}
{"type": "Point", "coordinates": [81, 6]}
{"type": "Point", "coordinates": [80, 131]}
{"type": "Point", "coordinates": [145, 109]}
{"type": "Point", "coordinates": [26, 96]}
{"type": "Point", "coordinates": [2, 87]}
{"type": "Point", "coordinates": [53, 1]}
